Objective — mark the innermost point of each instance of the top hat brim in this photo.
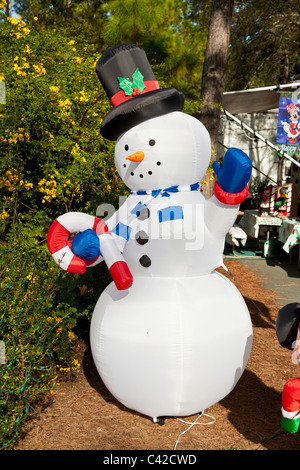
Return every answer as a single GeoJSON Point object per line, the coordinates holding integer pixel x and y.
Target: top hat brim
{"type": "Point", "coordinates": [287, 324]}
{"type": "Point", "coordinates": [139, 109]}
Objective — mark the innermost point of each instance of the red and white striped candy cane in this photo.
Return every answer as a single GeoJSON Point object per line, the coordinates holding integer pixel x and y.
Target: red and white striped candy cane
{"type": "Point", "coordinates": [61, 248]}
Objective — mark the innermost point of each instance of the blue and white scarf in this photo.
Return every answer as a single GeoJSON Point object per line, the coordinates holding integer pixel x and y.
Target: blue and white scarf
{"type": "Point", "coordinates": [167, 191]}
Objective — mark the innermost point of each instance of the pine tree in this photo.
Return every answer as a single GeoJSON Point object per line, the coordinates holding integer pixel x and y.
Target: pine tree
{"type": "Point", "coordinates": [142, 22]}
{"type": "Point", "coordinates": [214, 68]}
{"type": "Point", "coordinates": [172, 32]}
{"type": "Point", "coordinates": [266, 36]}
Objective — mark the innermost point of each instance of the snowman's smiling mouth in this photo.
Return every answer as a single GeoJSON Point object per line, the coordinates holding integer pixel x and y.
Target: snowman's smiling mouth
{"type": "Point", "coordinates": [141, 175]}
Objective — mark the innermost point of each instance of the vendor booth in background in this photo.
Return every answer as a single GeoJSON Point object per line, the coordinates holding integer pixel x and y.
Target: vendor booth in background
{"type": "Point", "coordinates": [281, 201]}
{"type": "Point", "coordinates": [276, 223]}
{"type": "Point", "coordinates": [265, 123]}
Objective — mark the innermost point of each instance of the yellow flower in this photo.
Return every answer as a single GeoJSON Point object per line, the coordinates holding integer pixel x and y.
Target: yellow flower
{"type": "Point", "coordinates": [28, 50]}
{"type": "Point", "coordinates": [83, 96]}
{"type": "Point", "coordinates": [40, 70]}
{"type": "Point", "coordinates": [54, 89]}
{"type": "Point", "coordinates": [4, 214]}
{"type": "Point", "coordinates": [51, 138]}
{"type": "Point", "coordinates": [18, 35]}
{"type": "Point", "coordinates": [64, 103]}
{"type": "Point", "coordinates": [25, 64]}
{"type": "Point", "coordinates": [13, 21]}
{"type": "Point", "coordinates": [77, 59]}
{"type": "Point", "coordinates": [19, 70]}
{"type": "Point", "coordinates": [75, 150]}
{"type": "Point", "coordinates": [70, 43]}
{"type": "Point", "coordinates": [48, 188]}
{"type": "Point", "coordinates": [71, 335]}
{"type": "Point", "coordinates": [35, 18]}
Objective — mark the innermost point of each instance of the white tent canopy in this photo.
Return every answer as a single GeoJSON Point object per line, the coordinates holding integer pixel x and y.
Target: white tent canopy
{"type": "Point", "coordinates": [257, 100]}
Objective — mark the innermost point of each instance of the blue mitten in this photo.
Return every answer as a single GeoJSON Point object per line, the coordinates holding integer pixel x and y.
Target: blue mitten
{"type": "Point", "coordinates": [235, 172]}
{"type": "Point", "coordinates": [86, 245]}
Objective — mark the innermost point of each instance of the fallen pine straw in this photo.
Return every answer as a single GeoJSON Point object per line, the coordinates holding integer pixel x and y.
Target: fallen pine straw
{"type": "Point", "coordinates": [84, 416]}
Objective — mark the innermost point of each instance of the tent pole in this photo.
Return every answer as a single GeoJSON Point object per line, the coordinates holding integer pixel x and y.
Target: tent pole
{"type": "Point", "coordinates": [256, 134]}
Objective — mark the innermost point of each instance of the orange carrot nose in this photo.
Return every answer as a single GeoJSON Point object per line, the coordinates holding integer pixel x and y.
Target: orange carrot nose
{"type": "Point", "coordinates": [136, 157]}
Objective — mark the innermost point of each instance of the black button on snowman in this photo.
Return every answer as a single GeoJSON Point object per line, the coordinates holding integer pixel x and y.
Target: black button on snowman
{"type": "Point", "coordinates": [170, 336]}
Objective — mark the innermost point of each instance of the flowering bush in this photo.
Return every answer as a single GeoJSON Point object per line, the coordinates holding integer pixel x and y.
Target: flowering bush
{"type": "Point", "coordinates": [52, 160]}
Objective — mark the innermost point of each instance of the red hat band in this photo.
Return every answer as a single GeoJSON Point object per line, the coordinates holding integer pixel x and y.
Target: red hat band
{"type": "Point", "coordinates": [121, 96]}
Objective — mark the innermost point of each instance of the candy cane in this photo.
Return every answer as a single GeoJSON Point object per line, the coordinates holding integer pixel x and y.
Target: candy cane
{"type": "Point", "coordinates": [61, 248]}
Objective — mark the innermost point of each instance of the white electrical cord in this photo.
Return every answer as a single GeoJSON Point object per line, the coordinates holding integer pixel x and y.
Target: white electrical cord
{"type": "Point", "coordinates": [193, 424]}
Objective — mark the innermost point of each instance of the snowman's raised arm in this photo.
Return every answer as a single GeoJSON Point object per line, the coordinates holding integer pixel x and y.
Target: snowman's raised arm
{"type": "Point", "coordinates": [230, 190]}
{"type": "Point", "coordinates": [219, 217]}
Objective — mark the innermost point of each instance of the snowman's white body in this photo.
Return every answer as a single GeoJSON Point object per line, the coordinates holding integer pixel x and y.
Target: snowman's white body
{"type": "Point", "coordinates": [179, 339]}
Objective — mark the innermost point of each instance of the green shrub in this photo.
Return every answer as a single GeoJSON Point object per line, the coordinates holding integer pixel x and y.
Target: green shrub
{"type": "Point", "coordinates": [52, 160]}
{"type": "Point", "coordinates": [40, 305]}
{"type": "Point", "coordinates": [52, 157]}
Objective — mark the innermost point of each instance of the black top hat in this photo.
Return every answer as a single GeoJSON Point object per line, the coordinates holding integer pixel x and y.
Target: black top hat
{"type": "Point", "coordinates": [133, 90]}
{"type": "Point", "coordinates": [287, 324]}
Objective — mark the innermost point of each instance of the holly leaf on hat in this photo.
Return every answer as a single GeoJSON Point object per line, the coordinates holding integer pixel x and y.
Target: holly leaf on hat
{"type": "Point", "coordinates": [126, 85]}
{"type": "Point", "coordinates": [132, 88]}
{"type": "Point", "coordinates": [138, 80]}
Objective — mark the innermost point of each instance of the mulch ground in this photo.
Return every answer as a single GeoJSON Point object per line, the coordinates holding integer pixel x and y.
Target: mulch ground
{"type": "Point", "coordinates": [83, 415]}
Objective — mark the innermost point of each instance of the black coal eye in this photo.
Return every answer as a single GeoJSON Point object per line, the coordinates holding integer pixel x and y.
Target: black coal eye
{"type": "Point", "coordinates": [126, 147]}
{"type": "Point", "coordinates": [152, 142]}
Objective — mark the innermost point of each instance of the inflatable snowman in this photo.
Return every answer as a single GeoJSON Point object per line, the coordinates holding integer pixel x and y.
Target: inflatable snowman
{"type": "Point", "coordinates": [170, 336]}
